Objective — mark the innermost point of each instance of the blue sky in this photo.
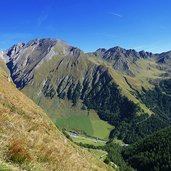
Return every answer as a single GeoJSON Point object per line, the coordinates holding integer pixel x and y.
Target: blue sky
{"type": "Point", "coordinates": [89, 24]}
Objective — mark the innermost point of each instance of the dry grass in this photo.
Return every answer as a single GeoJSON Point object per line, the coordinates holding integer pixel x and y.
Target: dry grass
{"type": "Point", "coordinates": [30, 141]}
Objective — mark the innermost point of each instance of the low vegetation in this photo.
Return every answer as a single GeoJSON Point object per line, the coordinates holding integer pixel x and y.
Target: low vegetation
{"type": "Point", "coordinates": [30, 141]}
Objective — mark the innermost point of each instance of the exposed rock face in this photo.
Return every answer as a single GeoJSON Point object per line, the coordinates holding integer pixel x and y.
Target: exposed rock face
{"type": "Point", "coordinates": [14, 50]}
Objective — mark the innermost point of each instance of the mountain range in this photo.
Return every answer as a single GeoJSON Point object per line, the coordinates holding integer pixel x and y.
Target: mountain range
{"type": "Point", "coordinates": [129, 90]}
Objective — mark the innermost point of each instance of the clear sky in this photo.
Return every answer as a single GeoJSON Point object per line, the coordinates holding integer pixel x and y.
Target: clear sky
{"type": "Point", "coordinates": [88, 24]}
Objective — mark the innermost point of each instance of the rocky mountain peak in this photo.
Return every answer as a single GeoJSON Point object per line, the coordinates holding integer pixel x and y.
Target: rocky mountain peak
{"type": "Point", "coordinates": [119, 52]}
{"type": "Point", "coordinates": [117, 49]}
{"type": "Point", "coordinates": [145, 54]}
{"type": "Point", "coordinates": [100, 52]}
{"type": "Point", "coordinates": [15, 49]}
{"type": "Point", "coordinates": [164, 57]}
{"type": "Point", "coordinates": [25, 59]}
{"type": "Point", "coordinates": [45, 41]}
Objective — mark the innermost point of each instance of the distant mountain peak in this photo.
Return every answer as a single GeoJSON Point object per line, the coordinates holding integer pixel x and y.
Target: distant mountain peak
{"type": "Point", "coordinates": [164, 57]}
{"type": "Point", "coordinates": [117, 48]}
{"type": "Point", "coordinates": [50, 41]}
{"type": "Point", "coordinates": [100, 52]}
{"type": "Point", "coordinates": [122, 58]}
{"type": "Point", "coordinates": [15, 49]}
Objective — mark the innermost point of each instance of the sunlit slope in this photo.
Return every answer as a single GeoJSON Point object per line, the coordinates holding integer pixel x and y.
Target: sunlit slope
{"type": "Point", "coordinates": [30, 141]}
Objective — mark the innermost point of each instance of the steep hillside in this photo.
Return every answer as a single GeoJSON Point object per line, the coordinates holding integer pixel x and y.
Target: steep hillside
{"type": "Point", "coordinates": [30, 141]}
{"type": "Point", "coordinates": [113, 83]}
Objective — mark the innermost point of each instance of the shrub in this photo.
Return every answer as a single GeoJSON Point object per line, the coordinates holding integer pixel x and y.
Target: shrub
{"type": "Point", "coordinates": [18, 153]}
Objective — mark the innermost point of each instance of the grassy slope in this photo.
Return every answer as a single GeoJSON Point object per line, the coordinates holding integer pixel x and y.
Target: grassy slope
{"type": "Point", "coordinates": [76, 122]}
{"type": "Point", "coordinates": [101, 128]}
{"type": "Point", "coordinates": [100, 154]}
{"type": "Point", "coordinates": [29, 140]}
{"type": "Point", "coordinates": [3, 66]}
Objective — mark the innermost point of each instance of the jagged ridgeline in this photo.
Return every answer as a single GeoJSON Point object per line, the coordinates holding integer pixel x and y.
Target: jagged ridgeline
{"type": "Point", "coordinates": [120, 85]}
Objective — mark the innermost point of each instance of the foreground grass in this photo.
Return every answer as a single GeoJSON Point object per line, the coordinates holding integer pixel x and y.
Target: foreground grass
{"type": "Point", "coordinates": [30, 141]}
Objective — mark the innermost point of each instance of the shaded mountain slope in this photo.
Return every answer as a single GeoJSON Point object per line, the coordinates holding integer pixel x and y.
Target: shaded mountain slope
{"type": "Point", "coordinates": [30, 141]}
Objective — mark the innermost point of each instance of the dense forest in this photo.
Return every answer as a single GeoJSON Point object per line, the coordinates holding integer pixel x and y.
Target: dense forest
{"type": "Point", "coordinates": [152, 153]}
{"type": "Point", "coordinates": [159, 100]}
{"type": "Point", "coordinates": [115, 156]}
